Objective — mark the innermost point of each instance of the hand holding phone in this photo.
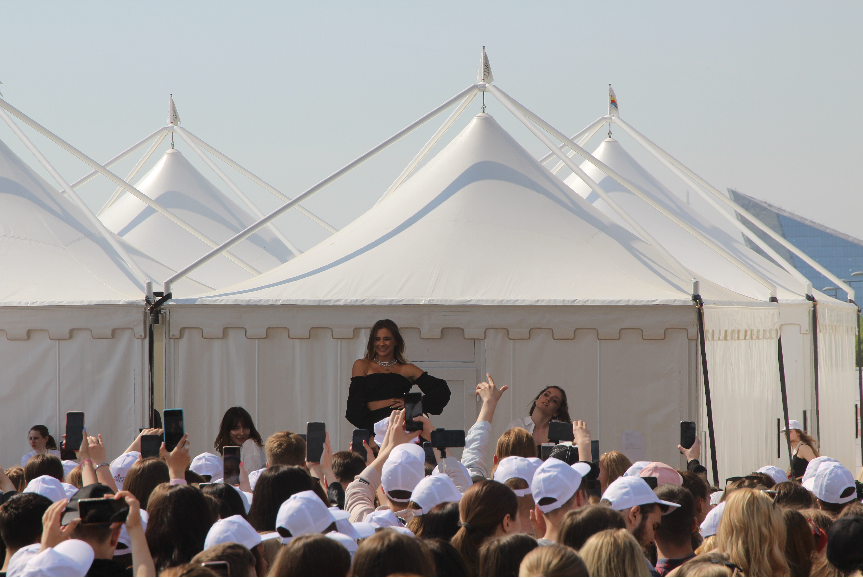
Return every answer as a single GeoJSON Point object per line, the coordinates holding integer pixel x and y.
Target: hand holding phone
{"type": "Point", "coordinates": [150, 445]}
{"type": "Point", "coordinates": [74, 430]}
{"type": "Point", "coordinates": [360, 436]}
{"type": "Point", "coordinates": [687, 434]}
{"type": "Point", "coordinates": [316, 436]}
{"type": "Point", "coordinates": [174, 428]}
{"type": "Point", "coordinates": [102, 511]}
{"type": "Point", "coordinates": [413, 408]}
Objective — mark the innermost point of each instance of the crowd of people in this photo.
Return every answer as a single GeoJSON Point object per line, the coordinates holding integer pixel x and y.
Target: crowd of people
{"type": "Point", "coordinates": [394, 507]}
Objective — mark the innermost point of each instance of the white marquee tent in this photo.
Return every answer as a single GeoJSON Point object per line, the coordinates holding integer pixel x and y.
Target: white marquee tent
{"type": "Point", "coordinates": [836, 366]}
{"type": "Point", "coordinates": [490, 263]}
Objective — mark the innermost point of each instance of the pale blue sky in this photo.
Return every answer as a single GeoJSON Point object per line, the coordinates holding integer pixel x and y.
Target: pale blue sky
{"type": "Point", "coordinates": [760, 96]}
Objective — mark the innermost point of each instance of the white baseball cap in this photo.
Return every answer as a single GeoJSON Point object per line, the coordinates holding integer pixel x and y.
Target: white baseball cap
{"type": "Point", "coordinates": [356, 530]}
{"type": "Point", "coordinates": [70, 489]}
{"type": "Point", "coordinates": [253, 477]}
{"type": "Point", "coordinates": [207, 464]}
{"type": "Point", "coordinates": [558, 480]}
{"type": "Point", "coordinates": [233, 529]}
{"type": "Point", "coordinates": [302, 513]}
{"type": "Point", "coordinates": [349, 543]}
{"type": "Point", "coordinates": [68, 558]}
{"type": "Point", "coordinates": [407, 450]}
{"type": "Point", "coordinates": [456, 471]}
{"type": "Point", "coordinates": [535, 461]}
{"type": "Point", "coordinates": [68, 466]}
{"type": "Point", "coordinates": [434, 490]}
{"type": "Point", "coordinates": [624, 493]}
{"type": "Point", "coordinates": [402, 474]}
{"type": "Point", "coordinates": [716, 497]}
{"type": "Point", "coordinates": [383, 518]}
{"type": "Point", "coordinates": [812, 467]}
{"type": "Point", "coordinates": [710, 525]}
{"type": "Point", "coordinates": [121, 465]}
{"type": "Point", "coordinates": [381, 430]}
{"type": "Point", "coordinates": [516, 467]}
{"type": "Point", "coordinates": [833, 483]}
{"type": "Point", "coordinates": [635, 469]}
{"type": "Point", "coordinates": [792, 424]}
{"type": "Point", "coordinates": [124, 542]}
{"type": "Point", "coordinates": [20, 558]}
{"type": "Point", "coordinates": [51, 488]}
{"type": "Point", "coordinates": [775, 473]}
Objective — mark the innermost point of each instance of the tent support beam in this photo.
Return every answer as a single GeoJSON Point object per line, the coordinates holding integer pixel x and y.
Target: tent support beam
{"type": "Point", "coordinates": [594, 126]}
{"type": "Point", "coordinates": [116, 194]}
{"type": "Point", "coordinates": [120, 157]}
{"type": "Point", "coordinates": [112, 239]}
{"type": "Point", "coordinates": [740, 210]}
{"type": "Point", "coordinates": [436, 137]}
{"type": "Point", "coordinates": [784, 390]}
{"type": "Point", "coordinates": [711, 433]}
{"type": "Point", "coordinates": [120, 182]}
{"type": "Point", "coordinates": [816, 380]}
{"type": "Point", "coordinates": [246, 201]}
{"type": "Point", "coordinates": [580, 142]}
{"type": "Point", "coordinates": [769, 286]}
{"type": "Point", "coordinates": [309, 192]}
{"type": "Point", "coordinates": [258, 181]}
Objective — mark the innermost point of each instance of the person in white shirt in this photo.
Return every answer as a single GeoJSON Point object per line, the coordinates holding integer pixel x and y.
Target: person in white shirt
{"type": "Point", "coordinates": [40, 442]}
{"type": "Point", "coordinates": [238, 429]}
{"type": "Point", "coordinates": [549, 405]}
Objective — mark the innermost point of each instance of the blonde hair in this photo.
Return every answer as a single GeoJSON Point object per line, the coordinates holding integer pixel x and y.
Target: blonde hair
{"type": "Point", "coordinates": [615, 464]}
{"type": "Point", "coordinates": [706, 565]}
{"type": "Point", "coordinates": [752, 534]}
{"type": "Point", "coordinates": [553, 560]}
{"type": "Point", "coordinates": [707, 545]}
{"type": "Point", "coordinates": [614, 553]}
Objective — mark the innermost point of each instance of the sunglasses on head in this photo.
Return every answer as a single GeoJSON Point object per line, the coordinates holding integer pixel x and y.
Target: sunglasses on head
{"type": "Point", "coordinates": [738, 478]}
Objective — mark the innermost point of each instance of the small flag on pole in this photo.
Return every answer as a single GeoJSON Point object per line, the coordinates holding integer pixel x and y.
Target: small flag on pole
{"type": "Point", "coordinates": [173, 115]}
{"type": "Point", "coordinates": [484, 74]}
{"type": "Point", "coordinates": [612, 103]}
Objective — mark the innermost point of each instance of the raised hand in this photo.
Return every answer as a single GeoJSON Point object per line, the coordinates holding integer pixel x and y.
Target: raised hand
{"type": "Point", "coordinates": [581, 439]}
{"type": "Point", "coordinates": [490, 396]}
{"type": "Point", "coordinates": [52, 532]}
{"type": "Point", "coordinates": [179, 459]}
{"type": "Point", "coordinates": [692, 453]}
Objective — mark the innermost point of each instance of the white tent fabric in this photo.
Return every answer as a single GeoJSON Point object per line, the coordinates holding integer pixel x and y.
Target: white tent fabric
{"type": "Point", "coordinates": [795, 310]}
{"type": "Point", "coordinates": [71, 317]}
{"type": "Point", "coordinates": [489, 263]}
{"type": "Point", "coordinates": [184, 191]}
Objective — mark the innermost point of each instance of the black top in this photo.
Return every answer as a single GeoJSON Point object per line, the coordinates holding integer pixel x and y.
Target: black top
{"type": "Point", "coordinates": [378, 386]}
{"type": "Point", "coordinates": [798, 466]}
{"type": "Point", "coordinates": [102, 567]}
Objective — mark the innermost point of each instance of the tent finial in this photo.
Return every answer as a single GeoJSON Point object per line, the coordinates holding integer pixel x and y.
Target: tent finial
{"type": "Point", "coordinates": [612, 107]}
{"type": "Point", "coordinates": [173, 116]}
{"type": "Point", "coordinates": [484, 76]}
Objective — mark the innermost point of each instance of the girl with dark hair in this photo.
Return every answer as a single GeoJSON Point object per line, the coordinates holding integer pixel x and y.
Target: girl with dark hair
{"type": "Point", "coordinates": [487, 510]}
{"type": "Point", "coordinates": [381, 379]}
{"type": "Point", "coordinates": [805, 448]}
{"type": "Point", "coordinates": [276, 484]}
{"type": "Point", "coordinates": [549, 405]}
{"type": "Point", "coordinates": [231, 504]}
{"type": "Point", "coordinates": [502, 556]}
{"type": "Point", "coordinates": [177, 529]}
{"type": "Point", "coordinates": [41, 442]}
{"type": "Point", "coordinates": [389, 553]}
{"type": "Point", "coordinates": [312, 555]}
{"type": "Point", "coordinates": [238, 429]}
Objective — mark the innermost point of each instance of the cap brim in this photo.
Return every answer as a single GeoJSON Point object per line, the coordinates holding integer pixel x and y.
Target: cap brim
{"type": "Point", "coordinates": [809, 484]}
{"type": "Point", "coordinates": [670, 505]}
{"type": "Point", "coordinates": [340, 514]}
{"type": "Point", "coordinates": [364, 529]}
{"type": "Point", "coordinates": [582, 468]}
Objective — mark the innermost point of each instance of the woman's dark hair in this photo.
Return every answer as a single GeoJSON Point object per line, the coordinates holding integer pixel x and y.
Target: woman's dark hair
{"type": "Point", "coordinates": [580, 524]}
{"type": "Point", "coordinates": [562, 410]}
{"type": "Point", "coordinates": [275, 485]}
{"type": "Point", "coordinates": [16, 476]}
{"type": "Point", "coordinates": [441, 522]}
{"type": "Point", "coordinates": [144, 476]}
{"type": "Point", "coordinates": [447, 560]}
{"type": "Point", "coordinates": [239, 558]}
{"type": "Point", "coordinates": [481, 510]}
{"type": "Point", "coordinates": [793, 495]}
{"type": "Point", "coordinates": [398, 349]}
{"type": "Point", "coordinates": [799, 543]}
{"type": "Point", "coordinates": [43, 465]}
{"type": "Point", "coordinates": [43, 431]}
{"type": "Point", "coordinates": [312, 555]}
{"type": "Point", "coordinates": [502, 556]}
{"type": "Point", "coordinates": [231, 502]}
{"type": "Point", "coordinates": [389, 552]}
{"type": "Point", "coordinates": [178, 526]}
{"type": "Point", "coordinates": [233, 417]}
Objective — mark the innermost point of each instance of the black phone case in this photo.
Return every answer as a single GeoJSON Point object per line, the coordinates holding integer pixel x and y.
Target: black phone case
{"type": "Point", "coordinates": [560, 431]}
{"type": "Point", "coordinates": [687, 434]}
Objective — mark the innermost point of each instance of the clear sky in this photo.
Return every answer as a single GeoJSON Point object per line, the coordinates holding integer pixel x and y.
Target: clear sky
{"type": "Point", "coordinates": [760, 96]}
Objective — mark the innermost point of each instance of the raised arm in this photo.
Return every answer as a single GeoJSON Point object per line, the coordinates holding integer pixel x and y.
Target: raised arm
{"type": "Point", "coordinates": [475, 455]}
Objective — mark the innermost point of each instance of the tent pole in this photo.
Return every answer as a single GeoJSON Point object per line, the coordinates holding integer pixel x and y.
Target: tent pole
{"type": "Point", "coordinates": [594, 126]}
{"type": "Point", "coordinates": [113, 198]}
{"type": "Point", "coordinates": [118, 158]}
{"type": "Point", "coordinates": [859, 382]}
{"type": "Point", "coordinates": [771, 288]}
{"type": "Point", "coordinates": [699, 312]}
{"type": "Point", "coordinates": [816, 380]}
{"type": "Point", "coordinates": [117, 180]}
{"type": "Point", "coordinates": [580, 142]}
{"type": "Point", "coordinates": [284, 198]}
{"type": "Point", "coordinates": [767, 230]}
{"type": "Point", "coordinates": [309, 192]}
{"type": "Point", "coordinates": [423, 151]}
{"type": "Point", "coordinates": [784, 390]}
{"type": "Point", "coordinates": [112, 239]}
{"type": "Point", "coordinates": [246, 201]}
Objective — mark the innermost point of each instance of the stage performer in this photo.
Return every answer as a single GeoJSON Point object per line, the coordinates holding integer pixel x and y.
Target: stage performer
{"type": "Point", "coordinates": [381, 379]}
{"type": "Point", "coordinates": [549, 405]}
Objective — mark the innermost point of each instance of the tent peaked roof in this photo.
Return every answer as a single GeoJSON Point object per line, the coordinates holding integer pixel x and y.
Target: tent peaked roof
{"type": "Point", "coordinates": [691, 252]}
{"type": "Point", "coordinates": [185, 192]}
{"type": "Point", "coordinates": [49, 251]}
{"type": "Point", "coordinates": [481, 223]}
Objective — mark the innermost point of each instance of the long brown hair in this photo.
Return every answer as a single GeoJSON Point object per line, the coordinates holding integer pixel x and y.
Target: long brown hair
{"type": "Point", "coordinates": [398, 350]}
{"type": "Point", "coordinates": [515, 441]}
{"type": "Point", "coordinates": [43, 431]}
{"type": "Point", "coordinates": [144, 476]}
{"type": "Point", "coordinates": [389, 552]}
{"type": "Point", "coordinates": [616, 464]}
{"type": "Point", "coordinates": [311, 555]}
{"type": "Point", "coordinates": [562, 410]}
{"type": "Point", "coordinates": [809, 441]}
{"type": "Point", "coordinates": [233, 417]}
{"type": "Point", "coordinates": [481, 510]}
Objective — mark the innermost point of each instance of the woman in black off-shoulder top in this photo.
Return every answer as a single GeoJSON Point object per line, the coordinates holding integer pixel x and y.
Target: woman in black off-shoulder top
{"type": "Point", "coordinates": [381, 379]}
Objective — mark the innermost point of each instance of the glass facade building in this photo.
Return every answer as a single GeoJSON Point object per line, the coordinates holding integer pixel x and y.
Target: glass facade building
{"type": "Point", "coordinates": [837, 252]}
